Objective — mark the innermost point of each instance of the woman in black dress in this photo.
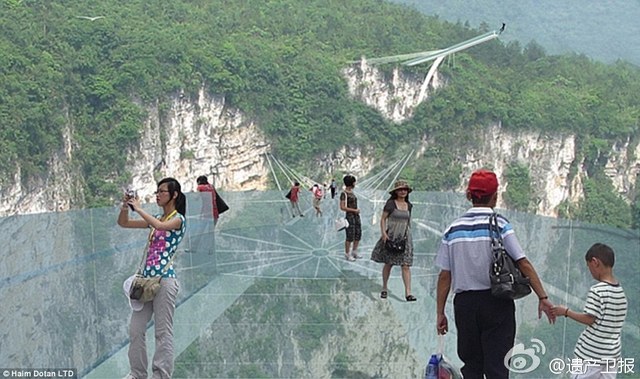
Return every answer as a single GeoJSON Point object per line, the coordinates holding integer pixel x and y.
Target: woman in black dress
{"type": "Point", "coordinates": [395, 225]}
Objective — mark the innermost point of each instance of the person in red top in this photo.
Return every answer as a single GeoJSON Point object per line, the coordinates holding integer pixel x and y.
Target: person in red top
{"type": "Point", "coordinates": [205, 186]}
{"type": "Point", "coordinates": [294, 194]}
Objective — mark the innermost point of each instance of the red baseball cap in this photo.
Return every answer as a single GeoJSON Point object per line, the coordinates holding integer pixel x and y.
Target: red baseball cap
{"type": "Point", "coordinates": [483, 183]}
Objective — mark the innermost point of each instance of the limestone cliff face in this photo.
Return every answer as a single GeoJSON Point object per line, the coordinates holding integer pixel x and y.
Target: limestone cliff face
{"type": "Point", "coordinates": [350, 159]}
{"type": "Point", "coordinates": [550, 157]}
{"type": "Point", "coordinates": [201, 136]}
{"type": "Point", "coordinates": [396, 97]}
{"type": "Point", "coordinates": [205, 136]}
{"type": "Point", "coordinates": [53, 192]}
{"type": "Point", "coordinates": [623, 166]}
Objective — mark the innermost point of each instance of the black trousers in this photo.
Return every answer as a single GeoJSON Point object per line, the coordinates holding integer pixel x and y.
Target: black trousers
{"type": "Point", "coordinates": [486, 330]}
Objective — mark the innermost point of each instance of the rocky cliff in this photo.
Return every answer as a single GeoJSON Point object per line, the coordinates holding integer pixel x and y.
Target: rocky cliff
{"type": "Point", "coordinates": [205, 136]}
{"type": "Point", "coordinates": [201, 136]}
{"type": "Point", "coordinates": [552, 159]}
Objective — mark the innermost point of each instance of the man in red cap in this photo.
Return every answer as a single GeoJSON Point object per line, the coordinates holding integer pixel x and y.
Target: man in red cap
{"type": "Point", "coordinates": [483, 183]}
{"type": "Point", "coordinates": [486, 325]}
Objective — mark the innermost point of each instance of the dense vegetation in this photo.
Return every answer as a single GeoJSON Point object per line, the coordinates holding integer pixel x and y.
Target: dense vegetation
{"type": "Point", "coordinates": [518, 194]}
{"type": "Point", "coordinates": [280, 62]}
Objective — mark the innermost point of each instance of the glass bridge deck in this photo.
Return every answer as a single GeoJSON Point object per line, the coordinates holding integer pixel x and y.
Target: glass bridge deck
{"type": "Point", "coordinates": [265, 295]}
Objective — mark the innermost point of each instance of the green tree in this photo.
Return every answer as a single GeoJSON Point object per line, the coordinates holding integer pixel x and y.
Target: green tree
{"type": "Point", "coordinates": [601, 205]}
{"type": "Point", "coordinates": [518, 194]}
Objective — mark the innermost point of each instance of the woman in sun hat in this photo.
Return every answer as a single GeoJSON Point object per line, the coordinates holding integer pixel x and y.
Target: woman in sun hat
{"type": "Point", "coordinates": [395, 225]}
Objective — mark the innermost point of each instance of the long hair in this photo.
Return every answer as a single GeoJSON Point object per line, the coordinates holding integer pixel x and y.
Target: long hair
{"type": "Point", "coordinates": [173, 186]}
{"type": "Point", "coordinates": [394, 196]}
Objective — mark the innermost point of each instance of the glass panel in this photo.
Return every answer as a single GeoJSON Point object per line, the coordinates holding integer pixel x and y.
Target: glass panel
{"type": "Point", "coordinates": [267, 295]}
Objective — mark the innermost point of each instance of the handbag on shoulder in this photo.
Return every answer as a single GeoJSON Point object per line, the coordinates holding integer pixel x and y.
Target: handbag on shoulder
{"type": "Point", "coordinates": [220, 204]}
{"type": "Point", "coordinates": [507, 282]}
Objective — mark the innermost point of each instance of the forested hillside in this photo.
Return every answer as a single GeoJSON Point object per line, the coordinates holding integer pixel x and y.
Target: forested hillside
{"type": "Point", "coordinates": [280, 62]}
{"type": "Point", "coordinates": [603, 30]}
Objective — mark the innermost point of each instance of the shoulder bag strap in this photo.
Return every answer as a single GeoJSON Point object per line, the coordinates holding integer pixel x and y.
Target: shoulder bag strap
{"type": "Point", "coordinates": [494, 232]}
{"type": "Point", "coordinates": [145, 252]}
{"type": "Point", "coordinates": [144, 257]}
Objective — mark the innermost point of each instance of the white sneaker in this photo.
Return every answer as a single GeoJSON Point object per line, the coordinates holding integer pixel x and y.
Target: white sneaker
{"type": "Point", "coordinates": [356, 255]}
{"type": "Point", "coordinates": [350, 258]}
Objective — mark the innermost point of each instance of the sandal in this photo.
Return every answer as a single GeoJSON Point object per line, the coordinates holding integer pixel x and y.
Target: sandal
{"type": "Point", "coordinates": [411, 298]}
{"type": "Point", "coordinates": [383, 294]}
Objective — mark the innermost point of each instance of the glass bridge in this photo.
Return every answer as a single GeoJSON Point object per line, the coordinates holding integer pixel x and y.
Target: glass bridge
{"type": "Point", "coordinates": [265, 295]}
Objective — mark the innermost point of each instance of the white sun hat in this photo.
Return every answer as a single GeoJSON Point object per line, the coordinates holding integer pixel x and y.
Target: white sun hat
{"type": "Point", "coordinates": [134, 304]}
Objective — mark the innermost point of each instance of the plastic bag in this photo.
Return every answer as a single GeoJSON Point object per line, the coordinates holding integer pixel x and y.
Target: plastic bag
{"type": "Point", "coordinates": [447, 371]}
{"type": "Point", "coordinates": [341, 224]}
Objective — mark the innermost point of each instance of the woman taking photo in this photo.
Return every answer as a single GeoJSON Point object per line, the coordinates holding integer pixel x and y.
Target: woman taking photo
{"type": "Point", "coordinates": [166, 231]}
{"type": "Point", "coordinates": [395, 226]}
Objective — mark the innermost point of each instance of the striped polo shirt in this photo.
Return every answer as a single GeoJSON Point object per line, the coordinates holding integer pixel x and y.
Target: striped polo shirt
{"type": "Point", "coordinates": [465, 249]}
{"type": "Point", "coordinates": [601, 340]}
